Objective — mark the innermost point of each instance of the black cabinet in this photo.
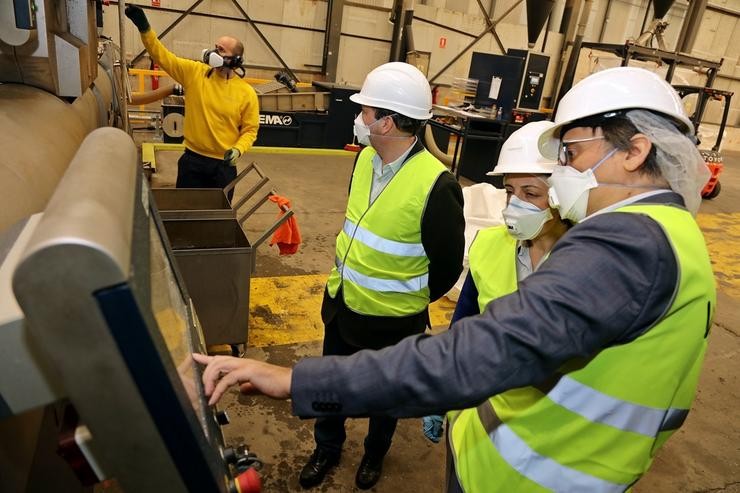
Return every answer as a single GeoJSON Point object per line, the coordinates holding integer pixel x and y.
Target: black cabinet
{"type": "Point", "coordinates": [331, 129]}
{"type": "Point", "coordinates": [481, 144]}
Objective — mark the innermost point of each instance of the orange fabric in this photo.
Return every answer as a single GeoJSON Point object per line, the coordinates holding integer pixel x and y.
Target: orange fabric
{"type": "Point", "coordinates": [287, 236]}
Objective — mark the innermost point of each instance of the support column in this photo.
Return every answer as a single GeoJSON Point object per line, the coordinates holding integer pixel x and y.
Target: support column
{"type": "Point", "coordinates": [332, 36]}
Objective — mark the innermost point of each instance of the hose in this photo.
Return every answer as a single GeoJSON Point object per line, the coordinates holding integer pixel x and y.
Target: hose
{"type": "Point", "coordinates": [432, 147]}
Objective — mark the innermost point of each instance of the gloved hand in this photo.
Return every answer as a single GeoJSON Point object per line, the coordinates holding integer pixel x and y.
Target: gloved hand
{"type": "Point", "coordinates": [432, 427]}
{"type": "Point", "coordinates": [137, 15]}
{"type": "Point", "coordinates": [231, 156]}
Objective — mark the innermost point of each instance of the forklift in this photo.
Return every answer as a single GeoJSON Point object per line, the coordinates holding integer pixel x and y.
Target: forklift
{"type": "Point", "coordinates": [712, 157]}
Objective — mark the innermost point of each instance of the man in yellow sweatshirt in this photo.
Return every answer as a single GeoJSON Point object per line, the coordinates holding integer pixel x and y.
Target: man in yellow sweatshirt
{"type": "Point", "coordinates": [222, 111]}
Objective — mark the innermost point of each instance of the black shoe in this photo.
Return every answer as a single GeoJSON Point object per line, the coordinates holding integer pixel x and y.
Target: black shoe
{"type": "Point", "coordinates": [316, 468]}
{"type": "Point", "coordinates": [368, 473]}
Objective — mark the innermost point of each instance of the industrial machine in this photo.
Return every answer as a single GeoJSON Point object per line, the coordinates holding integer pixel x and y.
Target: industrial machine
{"type": "Point", "coordinates": [317, 115]}
{"type": "Point", "coordinates": [57, 84]}
{"type": "Point", "coordinates": [508, 94]}
{"type": "Point", "coordinates": [97, 330]}
{"type": "Point", "coordinates": [118, 331]}
{"type": "Point", "coordinates": [513, 82]}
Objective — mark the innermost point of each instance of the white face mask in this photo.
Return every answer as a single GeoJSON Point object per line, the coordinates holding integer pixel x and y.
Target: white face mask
{"type": "Point", "coordinates": [212, 58]}
{"type": "Point", "coordinates": [569, 189]}
{"type": "Point", "coordinates": [524, 220]}
{"type": "Point", "coordinates": [362, 131]}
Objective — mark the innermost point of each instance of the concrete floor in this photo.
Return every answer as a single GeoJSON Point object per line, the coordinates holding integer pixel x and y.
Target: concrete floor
{"type": "Point", "coordinates": [285, 326]}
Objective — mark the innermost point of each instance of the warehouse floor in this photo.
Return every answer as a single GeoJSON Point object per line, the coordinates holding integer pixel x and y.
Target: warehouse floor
{"type": "Point", "coordinates": [285, 326]}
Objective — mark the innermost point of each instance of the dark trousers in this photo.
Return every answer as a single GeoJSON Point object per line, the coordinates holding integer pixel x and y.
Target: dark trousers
{"type": "Point", "coordinates": [329, 433]}
{"type": "Point", "coordinates": [197, 171]}
{"type": "Point", "coordinates": [452, 484]}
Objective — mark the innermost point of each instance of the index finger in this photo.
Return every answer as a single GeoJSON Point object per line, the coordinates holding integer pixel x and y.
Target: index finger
{"type": "Point", "coordinates": [203, 359]}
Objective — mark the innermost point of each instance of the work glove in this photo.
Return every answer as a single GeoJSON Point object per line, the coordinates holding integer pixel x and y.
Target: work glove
{"type": "Point", "coordinates": [231, 156]}
{"type": "Point", "coordinates": [138, 17]}
{"type": "Point", "coordinates": [432, 427]}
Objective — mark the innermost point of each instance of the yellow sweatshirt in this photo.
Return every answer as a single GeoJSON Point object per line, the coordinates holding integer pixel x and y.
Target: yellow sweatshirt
{"type": "Point", "coordinates": [220, 113]}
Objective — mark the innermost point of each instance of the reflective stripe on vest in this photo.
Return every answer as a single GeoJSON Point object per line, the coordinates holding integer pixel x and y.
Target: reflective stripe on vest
{"type": "Point", "coordinates": [383, 285]}
{"type": "Point", "coordinates": [598, 427]}
{"type": "Point", "coordinates": [381, 265]}
{"type": "Point", "coordinates": [601, 408]}
{"type": "Point", "coordinates": [381, 244]}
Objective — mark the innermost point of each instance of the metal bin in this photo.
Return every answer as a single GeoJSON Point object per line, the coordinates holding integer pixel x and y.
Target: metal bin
{"type": "Point", "coordinates": [216, 261]}
{"type": "Point", "coordinates": [189, 203]}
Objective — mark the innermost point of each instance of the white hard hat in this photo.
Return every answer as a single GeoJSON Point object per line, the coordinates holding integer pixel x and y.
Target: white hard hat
{"type": "Point", "coordinates": [399, 87]}
{"type": "Point", "coordinates": [520, 154]}
{"type": "Point", "coordinates": [619, 88]}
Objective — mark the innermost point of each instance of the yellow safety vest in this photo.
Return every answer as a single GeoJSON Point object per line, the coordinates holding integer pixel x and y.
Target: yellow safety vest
{"type": "Point", "coordinates": [380, 261]}
{"type": "Point", "coordinates": [598, 427]}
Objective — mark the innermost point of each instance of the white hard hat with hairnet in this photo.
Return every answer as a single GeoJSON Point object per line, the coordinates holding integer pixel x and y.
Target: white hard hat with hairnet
{"type": "Point", "coordinates": [399, 87]}
{"type": "Point", "coordinates": [520, 154]}
{"type": "Point", "coordinates": [614, 89]}
{"type": "Point", "coordinates": [656, 111]}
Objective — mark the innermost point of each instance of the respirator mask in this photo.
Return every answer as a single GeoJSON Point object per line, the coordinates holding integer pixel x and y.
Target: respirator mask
{"type": "Point", "coordinates": [214, 60]}
{"type": "Point", "coordinates": [523, 219]}
{"type": "Point", "coordinates": [569, 189]}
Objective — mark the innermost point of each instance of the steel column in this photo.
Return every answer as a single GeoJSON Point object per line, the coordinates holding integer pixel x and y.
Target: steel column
{"type": "Point", "coordinates": [332, 36]}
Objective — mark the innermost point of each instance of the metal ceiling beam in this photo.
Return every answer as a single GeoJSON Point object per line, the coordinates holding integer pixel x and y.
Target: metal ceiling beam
{"type": "Point", "coordinates": [264, 40]}
{"type": "Point", "coordinates": [246, 17]}
{"type": "Point", "coordinates": [168, 29]}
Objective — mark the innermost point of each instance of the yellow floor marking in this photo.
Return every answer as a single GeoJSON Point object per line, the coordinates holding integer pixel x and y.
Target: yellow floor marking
{"type": "Point", "coordinates": [149, 151]}
{"type": "Point", "coordinates": [287, 310]}
{"type": "Point", "coordinates": [722, 233]}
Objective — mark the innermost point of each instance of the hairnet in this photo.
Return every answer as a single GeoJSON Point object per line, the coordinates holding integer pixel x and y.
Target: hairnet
{"type": "Point", "coordinates": [678, 159]}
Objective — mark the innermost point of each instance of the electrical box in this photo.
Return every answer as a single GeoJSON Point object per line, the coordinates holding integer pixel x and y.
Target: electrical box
{"type": "Point", "coordinates": [532, 78]}
{"type": "Point", "coordinates": [533, 81]}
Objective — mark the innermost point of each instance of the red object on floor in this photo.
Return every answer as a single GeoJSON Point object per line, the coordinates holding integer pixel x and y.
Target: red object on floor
{"type": "Point", "coordinates": [287, 236]}
{"type": "Point", "coordinates": [248, 482]}
{"type": "Point", "coordinates": [352, 148]}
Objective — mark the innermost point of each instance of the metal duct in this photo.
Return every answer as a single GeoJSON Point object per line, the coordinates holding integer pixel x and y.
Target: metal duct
{"type": "Point", "coordinates": [661, 8]}
{"type": "Point", "coordinates": [434, 149]}
{"type": "Point", "coordinates": [537, 13]}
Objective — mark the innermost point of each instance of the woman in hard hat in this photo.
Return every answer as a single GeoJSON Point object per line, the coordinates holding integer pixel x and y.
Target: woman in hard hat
{"type": "Point", "coordinates": [503, 256]}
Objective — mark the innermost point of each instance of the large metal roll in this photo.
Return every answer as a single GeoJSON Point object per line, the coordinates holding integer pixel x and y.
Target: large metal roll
{"type": "Point", "coordinates": [40, 135]}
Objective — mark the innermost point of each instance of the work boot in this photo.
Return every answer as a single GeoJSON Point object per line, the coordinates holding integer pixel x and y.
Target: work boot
{"type": "Point", "coordinates": [316, 468]}
{"type": "Point", "coordinates": [369, 472]}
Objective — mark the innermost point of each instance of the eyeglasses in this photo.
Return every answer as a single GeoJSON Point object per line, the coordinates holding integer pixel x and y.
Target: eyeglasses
{"type": "Point", "coordinates": [564, 155]}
